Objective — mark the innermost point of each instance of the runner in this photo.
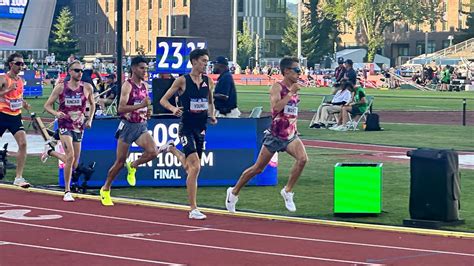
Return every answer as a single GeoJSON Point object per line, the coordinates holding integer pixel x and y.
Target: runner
{"type": "Point", "coordinates": [71, 115]}
{"type": "Point", "coordinates": [195, 93]}
{"type": "Point", "coordinates": [282, 135]}
{"type": "Point", "coordinates": [11, 102]}
{"type": "Point", "coordinates": [134, 112]}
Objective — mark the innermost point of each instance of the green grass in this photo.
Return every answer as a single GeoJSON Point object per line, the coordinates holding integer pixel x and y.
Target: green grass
{"type": "Point", "coordinates": [314, 191]}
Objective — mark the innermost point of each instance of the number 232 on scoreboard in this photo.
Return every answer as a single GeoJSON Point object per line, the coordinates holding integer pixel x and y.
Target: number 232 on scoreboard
{"type": "Point", "coordinates": [172, 54]}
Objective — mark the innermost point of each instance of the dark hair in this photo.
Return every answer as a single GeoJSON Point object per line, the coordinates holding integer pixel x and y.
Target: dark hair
{"type": "Point", "coordinates": [347, 84]}
{"type": "Point", "coordinates": [12, 57]}
{"type": "Point", "coordinates": [196, 53]}
{"type": "Point", "coordinates": [73, 63]}
{"type": "Point", "coordinates": [137, 60]}
{"type": "Point", "coordinates": [286, 62]}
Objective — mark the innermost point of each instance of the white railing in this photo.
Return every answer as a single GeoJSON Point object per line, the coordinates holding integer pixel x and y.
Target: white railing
{"type": "Point", "coordinates": [462, 46]}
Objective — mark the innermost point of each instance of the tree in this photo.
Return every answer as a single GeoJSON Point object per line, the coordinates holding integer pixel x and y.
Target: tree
{"type": "Point", "coordinates": [374, 16]}
{"type": "Point", "coordinates": [61, 41]}
{"type": "Point", "coordinates": [245, 46]}
{"type": "Point", "coordinates": [319, 31]}
{"type": "Point", "coordinates": [290, 38]}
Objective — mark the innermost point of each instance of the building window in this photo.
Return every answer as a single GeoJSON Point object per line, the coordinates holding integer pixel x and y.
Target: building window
{"type": "Point", "coordinates": [160, 4]}
{"type": "Point", "coordinates": [420, 47]}
{"type": "Point", "coordinates": [107, 28]}
{"type": "Point", "coordinates": [149, 45]}
{"type": "Point", "coordinates": [275, 6]}
{"type": "Point", "coordinates": [392, 27]}
{"type": "Point", "coordinates": [403, 50]}
{"type": "Point", "coordinates": [106, 6]}
{"type": "Point", "coordinates": [88, 28]}
{"type": "Point", "coordinates": [240, 6]}
{"type": "Point", "coordinates": [107, 46]}
{"type": "Point", "coordinates": [274, 25]}
{"type": "Point", "coordinates": [149, 24]}
{"type": "Point", "coordinates": [77, 9]}
{"type": "Point", "coordinates": [150, 4]}
{"type": "Point", "coordinates": [160, 24]}
{"type": "Point", "coordinates": [173, 23]}
{"type": "Point", "coordinates": [185, 2]}
{"type": "Point", "coordinates": [174, 3]}
{"type": "Point", "coordinates": [407, 27]}
{"type": "Point", "coordinates": [417, 27]}
{"type": "Point", "coordinates": [137, 4]}
{"type": "Point", "coordinates": [96, 48]}
{"type": "Point", "coordinates": [127, 26]}
{"type": "Point", "coordinates": [185, 22]}
{"type": "Point", "coordinates": [445, 44]}
{"type": "Point", "coordinates": [128, 5]}
{"type": "Point", "coordinates": [136, 46]}
{"type": "Point", "coordinates": [431, 47]}
{"type": "Point", "coordinates": [88, 7]}
{"type": "Point", "coordinates": [137, 28]}
{"type": "Point", "coordinates": [97, 7]}
{"type": "Point", "coordinates": [96, 27]}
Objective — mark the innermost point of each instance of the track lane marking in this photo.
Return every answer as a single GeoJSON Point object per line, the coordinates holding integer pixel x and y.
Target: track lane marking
{"type": "Point", "coordinates": [190, 244]}
{"type": "Point", "coordinates": [259, 234]}
{"type": "Point", "coordinates": [88, 253]}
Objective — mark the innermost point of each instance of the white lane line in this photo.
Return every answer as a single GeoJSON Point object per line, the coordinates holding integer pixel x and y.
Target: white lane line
{"type": "Point", "coordinates": [257, 234]}
{"type": "Point", "coordinates": [3, 243]}
{"type": "Point", "coordinates": [91, 254]}
{"type": "Point", "coordinates": [199, 229]}
{"type": "Point", "coordinates": [6, 205]}
{"type": "Point", "coordinates": [353, 149]}
{"type": "Point", "coordinates": [192, 245]}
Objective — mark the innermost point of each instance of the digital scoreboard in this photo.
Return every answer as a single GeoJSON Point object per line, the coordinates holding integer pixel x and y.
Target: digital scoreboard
{"type": "Point", "coordinates": [172, 54]}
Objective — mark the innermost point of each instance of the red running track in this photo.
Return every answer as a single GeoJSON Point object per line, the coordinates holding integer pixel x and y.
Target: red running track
{"type": "Point", "coordinates": [40, 229]}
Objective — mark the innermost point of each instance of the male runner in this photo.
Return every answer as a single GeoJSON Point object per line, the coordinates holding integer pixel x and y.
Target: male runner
{"type": "Point", "coordinates": [282, 135]}
{"type": "Point", "coordinates": [195, 93]}
{"type": "Point", "coordinates": [11, 102]}
{"type": "Point", "coordinates": [73, 95]}
{"type": "Point", "coordinates": [134, 112]}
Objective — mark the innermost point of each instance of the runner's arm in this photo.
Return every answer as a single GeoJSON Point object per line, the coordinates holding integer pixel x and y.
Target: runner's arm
{"type": "Point", "coordinates": [3, 87]}
{"type": "Point", "coordinates": [48, 105]}
{"type": "Point", "coordinates": [177, 85]}
{"type": "Point", "coordinates": [91, 99]}
{"type": "Point", "coordinates": [211, 111]}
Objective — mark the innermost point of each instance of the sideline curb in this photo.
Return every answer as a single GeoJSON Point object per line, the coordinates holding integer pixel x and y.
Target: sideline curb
{"type": "Point", "coordinates": [162, 205]}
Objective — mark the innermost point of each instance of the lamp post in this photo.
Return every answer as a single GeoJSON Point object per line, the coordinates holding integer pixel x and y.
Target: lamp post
{"type": "Point", "coordinates": [450, 38]}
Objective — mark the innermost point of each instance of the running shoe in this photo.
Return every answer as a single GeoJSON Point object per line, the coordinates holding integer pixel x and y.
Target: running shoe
{"type": "Point", "coordinates": [131, 174]}
{"type": "Point", "coordinates": [21, 182]}
{"type": "Point", "coordinates": [105, 198]}
{"type": "Point", "coordinates": [45, 155]}
{"type": "Point", "coordinates": [68, 197]}
{"type": "Point", "coordinates": [288, 197]}
{"type": "Point", "coordinates": [196, 215]}
{"type": "Point", "coordinates": [231, 200]}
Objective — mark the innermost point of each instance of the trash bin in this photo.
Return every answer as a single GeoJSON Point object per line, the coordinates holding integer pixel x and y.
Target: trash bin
{"type": "Point", "coordinates": [358, 188]}
{"type": "Point", "coordinates": [434, 185]}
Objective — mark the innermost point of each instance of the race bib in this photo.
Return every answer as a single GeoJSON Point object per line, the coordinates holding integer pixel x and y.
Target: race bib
{"type": "Point", "coordinates": [16, 104]}
{"type": "Point", "coordinates": [199, 105]}
{"type": "Point", "coordinates": [71, 101]}
{"type": "Point", "coordinates": [291, 110]}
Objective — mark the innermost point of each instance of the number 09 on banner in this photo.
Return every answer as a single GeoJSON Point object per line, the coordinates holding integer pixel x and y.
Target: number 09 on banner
{"type": "Point", "coordinates": [172, 54]}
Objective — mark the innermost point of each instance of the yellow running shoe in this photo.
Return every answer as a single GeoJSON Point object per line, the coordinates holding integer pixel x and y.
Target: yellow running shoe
{"type": "Point", "coordinates": [131, 174]}
{"type": "Point", "coordinates": [105, 198]}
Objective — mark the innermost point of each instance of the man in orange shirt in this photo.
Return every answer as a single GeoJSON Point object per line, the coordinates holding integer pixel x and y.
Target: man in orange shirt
{"type": "Point", "coordinates": [11, 102]}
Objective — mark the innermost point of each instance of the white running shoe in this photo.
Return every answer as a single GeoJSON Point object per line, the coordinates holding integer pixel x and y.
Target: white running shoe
{"type": "Point", "coordinates": [45, 155]}
{"type": "Point", "coordinates": [342, 128]}
{"type": "Point", "coordinates": [21, 182]}
{"type": "Point", "coordinates": [288, 197]}
{"type": "Point", "coordinates": [196, 215]}
{"type": "Point", "coordinates": [68, 197]}
{"type": "Point", "coordinates": [231, 200]}
{"type": "Point", "coordinates": [166, 147]}
{"type": "Point", "coordinates": [335, 127]}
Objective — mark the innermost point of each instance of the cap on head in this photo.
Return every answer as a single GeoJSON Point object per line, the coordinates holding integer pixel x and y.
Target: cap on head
{"type": "Point", "coordinates": [349, 62]}
{"type": "Point", "coordinates": [221, 60]}
{"type": "Point", "coordinates": [340, 60]}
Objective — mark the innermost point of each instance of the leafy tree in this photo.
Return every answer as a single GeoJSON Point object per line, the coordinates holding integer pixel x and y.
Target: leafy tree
{"type": "Point", "coordinates": [374, 16]}
{"type": "Point", "coordinates": [245, 46]}
{"type": "Point", "coordinates": [61, 41]}
{"type": "Point", "coordinates": [290, 38]}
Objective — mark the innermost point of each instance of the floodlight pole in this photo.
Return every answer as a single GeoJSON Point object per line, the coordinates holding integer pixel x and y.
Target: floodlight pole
{"type": "Point", "coordinates": [299, 28]}
{"type": "Point", "coordinates": [119, 41]}
{"type": "Point", "coordinates": [234, 32]}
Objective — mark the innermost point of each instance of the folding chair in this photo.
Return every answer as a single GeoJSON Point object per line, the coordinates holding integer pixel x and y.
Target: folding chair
{"type": "Point", "coordinates": [112, 108]}
{"type": "Point", "coordinates": [256, 112]}
{"type": "Point", "coordinates": [326, 99]}
{"type": "Point", "coordinates": [355, 122]}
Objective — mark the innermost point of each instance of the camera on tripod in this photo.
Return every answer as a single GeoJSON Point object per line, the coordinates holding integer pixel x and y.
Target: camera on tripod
{"type": "Point", "coordinates": [79, 184]}
{"type": "Point", "coordinates": [3, 161]}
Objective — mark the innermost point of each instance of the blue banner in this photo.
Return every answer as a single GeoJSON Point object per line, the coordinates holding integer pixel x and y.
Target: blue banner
{"type": "Point", "coordinates": [231, 146]}
{"type": "Point", "coordinates": [172, 54]}
{"type": "Point", "coordinates": [12, 8]}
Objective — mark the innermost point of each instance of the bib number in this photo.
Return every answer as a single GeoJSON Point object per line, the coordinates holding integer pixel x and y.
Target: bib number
{"type": "Point", "coordinates": [291, 110]}
{"type": "Point", "coordinates": [198, 105]}
{"type": "Point", "coordinates": [16, 104]}
{"type": "Point", "coordinates": [73, 101]}
{"type": "Point", "coordinates": [141, 110]}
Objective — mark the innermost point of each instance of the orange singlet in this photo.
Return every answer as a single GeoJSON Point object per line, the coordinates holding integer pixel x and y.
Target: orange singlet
{"type": "Point", "coordinates": [12, 102]}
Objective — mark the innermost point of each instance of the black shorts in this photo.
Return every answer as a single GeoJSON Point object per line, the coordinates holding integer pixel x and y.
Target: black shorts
{"type": "Point", "coordinates": [11, 122]}
{"type": "Point", "coordinates": [76, 136]}
{"type": "Point", "coordinates": [356, 110]}
{"type": "Point", "coordinates": [192, 140]}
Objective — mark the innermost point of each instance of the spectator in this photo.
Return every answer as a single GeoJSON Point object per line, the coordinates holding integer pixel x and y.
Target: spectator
{"type": "Point", "coordinates": [339, 74]}
{"type": "Point", "coordinates": [350, 73]}
{"type": "Point", "coordinates": [325, 110]}
{"type": "Point", "coordinates": [356, 107]}
{"type": "Point", "coordinates": [110, 92]}
{"type": "Point", "coordinates": [225, 94]}
{"type": "Point", "coordinates": [445, 78]}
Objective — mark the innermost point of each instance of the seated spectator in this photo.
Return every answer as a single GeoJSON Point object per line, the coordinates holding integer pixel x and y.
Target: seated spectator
{"type": "Point", "coordinates": [326, 110]}
{"type": "Point", "coordinates": [110, 92]}
{"type": "Point", "coordinates": [356, 107]}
